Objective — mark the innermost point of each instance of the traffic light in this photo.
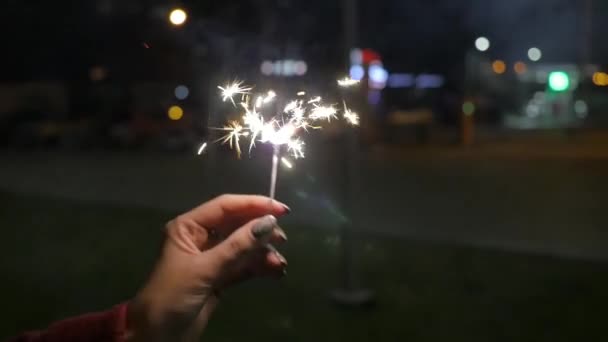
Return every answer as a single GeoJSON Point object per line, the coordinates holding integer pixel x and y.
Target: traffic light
{"type": "Point", "coordinates": [559, 81]}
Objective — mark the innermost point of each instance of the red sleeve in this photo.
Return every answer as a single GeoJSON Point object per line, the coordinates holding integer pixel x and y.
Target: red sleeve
{"type": "Point", "coordinates": [107, 326]}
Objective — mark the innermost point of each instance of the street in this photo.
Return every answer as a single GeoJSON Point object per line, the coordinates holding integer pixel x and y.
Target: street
{"type": "Point", "coordinates": [517, 202]}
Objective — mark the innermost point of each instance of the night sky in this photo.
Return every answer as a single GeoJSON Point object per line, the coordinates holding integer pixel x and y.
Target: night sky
{"type": "Point", "coordinates": [63, 39]}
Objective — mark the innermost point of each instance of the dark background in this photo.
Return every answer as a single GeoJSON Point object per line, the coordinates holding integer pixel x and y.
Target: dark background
{"type": "Point", "coordinates": [474, 210]}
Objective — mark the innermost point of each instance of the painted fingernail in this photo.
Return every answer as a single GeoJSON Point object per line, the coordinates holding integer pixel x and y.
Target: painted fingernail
{"type": "Point", "coordinates": [287, 209]}
{"type": "Point", "coordinates": [282, 234]}
{"type": "Point", "coordinates": [281, 258]}
{"type": "Point", "coordinates": [264, 227]}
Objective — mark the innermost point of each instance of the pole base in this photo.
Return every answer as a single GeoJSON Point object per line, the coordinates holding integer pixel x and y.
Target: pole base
{"type": "Point", "coordinates": [353, 298]}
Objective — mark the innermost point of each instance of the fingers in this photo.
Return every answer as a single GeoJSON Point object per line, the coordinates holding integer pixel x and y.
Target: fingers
{"type": "Point", "coordinates": [263, 262]}
{"type": "Point", "coordinates": [253, 235]}
{"type": "Point", "coordinates": [231, 208]}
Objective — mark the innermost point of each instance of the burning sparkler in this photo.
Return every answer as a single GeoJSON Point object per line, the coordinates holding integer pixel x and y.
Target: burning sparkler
{"type": "Point", "coordinates": [259, 124]}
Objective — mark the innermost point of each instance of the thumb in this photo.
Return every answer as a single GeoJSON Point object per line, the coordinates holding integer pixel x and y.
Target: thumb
{"type": "Point", "coordinates": [251, 236]}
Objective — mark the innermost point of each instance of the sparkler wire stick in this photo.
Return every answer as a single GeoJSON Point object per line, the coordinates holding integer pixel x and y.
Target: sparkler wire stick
{"type": "Point", "coordinates": [273, 174]}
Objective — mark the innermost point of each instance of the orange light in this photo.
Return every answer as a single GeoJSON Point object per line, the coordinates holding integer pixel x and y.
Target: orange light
{"type": "Point", "coordinates": [600, 79]}
{"type": "Point", "coordinates": [520, 68]}
{"type": "Point", "coordinates": [499, 67]}
{"type": "Point", "coordinates": [175, 113]}
{"type": "Point", "coordinates": [178, 17]}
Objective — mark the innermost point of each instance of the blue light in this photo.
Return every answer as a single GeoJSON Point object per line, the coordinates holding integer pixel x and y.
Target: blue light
{"type": "Point", "coordinates": [181, 92]}
{"type": "Point", "coordinates": [424, 81]}
{"type": "Point", "coordinates": [401, 80]}
{"type": "Point", "coordinates": [357, 72]}
{"type": "Point", "coordinates": [377, 74]}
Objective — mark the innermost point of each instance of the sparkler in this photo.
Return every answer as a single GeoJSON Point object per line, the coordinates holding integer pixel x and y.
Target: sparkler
{"type": "Point", "coordinates": [232, 89]}
{"type": "Point", "coordinates": [262, 122]}
{"type": "Point", "coordinates": [347, 82]}
{"type": "Point", "coordinates": [350, 116]}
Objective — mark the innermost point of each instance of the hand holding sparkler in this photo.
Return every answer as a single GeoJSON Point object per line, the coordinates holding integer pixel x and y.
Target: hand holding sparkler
{"type": "Point", "coordinates": [206, 250]}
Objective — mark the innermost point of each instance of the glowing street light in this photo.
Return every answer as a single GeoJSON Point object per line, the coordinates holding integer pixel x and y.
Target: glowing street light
{"type": "Point", "coordinates": [535, 54]}
{"type": "Point", "coordinates": [178, 17]}
{"type": "Point", "coordinates": [559, 81]}
{"type": "Point", "coordinates": [482, 44]}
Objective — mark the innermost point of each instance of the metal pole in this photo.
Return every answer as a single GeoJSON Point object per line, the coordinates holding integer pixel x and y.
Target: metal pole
{"type": "Point", "coordinates": [349, 293]}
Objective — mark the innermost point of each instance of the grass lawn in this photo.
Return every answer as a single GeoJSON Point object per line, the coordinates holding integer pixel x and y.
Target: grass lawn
{"type": "Point", "coordinates": [60, 258]}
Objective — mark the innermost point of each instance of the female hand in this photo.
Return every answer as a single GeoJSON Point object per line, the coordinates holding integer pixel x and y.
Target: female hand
{"type": "Point", "coordinates": [223, 241]}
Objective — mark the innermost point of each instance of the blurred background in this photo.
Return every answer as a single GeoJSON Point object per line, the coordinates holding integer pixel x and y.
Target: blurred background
{"type": "Point", "coordinates": [469, 205]}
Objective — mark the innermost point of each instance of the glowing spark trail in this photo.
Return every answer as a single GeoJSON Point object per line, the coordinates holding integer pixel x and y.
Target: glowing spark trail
{"type": "Point", "coordinates": [350, 116]}
{"type": "Point", "coordinates": [323, 112]}
{"type": "Point", "coordinates": [202, 148]}
{"type": "Point", "coordinates": [230, 90]}
{"type": "Point", "coordinates": [287, 163]}
{"type": "Point", "coordinates": [347, 82]}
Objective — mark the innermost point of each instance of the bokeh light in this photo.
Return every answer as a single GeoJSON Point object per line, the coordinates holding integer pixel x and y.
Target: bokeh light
{"type": "Point", "coordinates": [175, 113]}
{"type": "Point", "coordinates": [535, 54]}
{"type": "Point", "coordinates": [559, 81]}
{"type": "Point", "coordinates": [581, 108]}
{"type": "Point", "coordinates": [178, 17]}
{"type": "Point", "coordinates": [600, 79]}
{"type": "Point", "coordinates": [181, 92]}
{"type": "Point", "coordinates": [499, 67]}
{"type": "Point", "coordinates": [482, 44]}
{"type": "Point", "coordinates": [520, 68]}
{"type": "Point", "coordinates": [357, 72]}
{"type": "Point", "coordinates": [468, 108]}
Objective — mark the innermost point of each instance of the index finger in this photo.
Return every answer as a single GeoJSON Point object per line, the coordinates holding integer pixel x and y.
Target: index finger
{"type": "Point", "coordinates": [230, 208]}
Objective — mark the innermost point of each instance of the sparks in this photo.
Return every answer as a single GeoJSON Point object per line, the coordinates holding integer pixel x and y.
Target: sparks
{"type": "Point", "coordinates": [230, 90]}
{"type": "Point", "coordinates": [350, 116]}
{"type": "Point", "coordinates": [301, 93]}
{"type": "Point", "coordinates": [347, 82]}
{"type": "Point", "coordinates": [270, 96]}
{"type": "Point", "coordinates": [315, 99]}
{"type": "Point", "coordinates": [296, 147]}
{"type": "Point", "coordinates": [235, 132]}
{"type": "Point", "coordinates": [202, 148]}
{"type": "Point", "coordinates": [287, 163]}
{"type": "Point", "coordinates": [323, 112]}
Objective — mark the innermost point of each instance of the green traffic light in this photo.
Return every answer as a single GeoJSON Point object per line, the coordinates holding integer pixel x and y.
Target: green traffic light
{"type": "Point", "coordinates": [559, 81]}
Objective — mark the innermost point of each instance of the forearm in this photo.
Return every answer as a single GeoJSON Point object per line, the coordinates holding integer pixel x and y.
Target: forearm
{"type": "Point", "coordinates": [107, 326]}
{"type": "Point", "coordinates": [153, 324]}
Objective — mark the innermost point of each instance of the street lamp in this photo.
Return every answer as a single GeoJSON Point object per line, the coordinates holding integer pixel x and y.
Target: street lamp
{"type": "Point", "coordinates": [535, 54]}
{"type": "Point", "coordinates": [482, 44]}
{"type": "Point", "coordinates": [178, 17]}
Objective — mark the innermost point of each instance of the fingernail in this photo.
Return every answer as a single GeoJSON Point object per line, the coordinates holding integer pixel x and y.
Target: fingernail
{"type": "Point", "coordinates": [281, 258]}
{"type": "Point", "coordinates": [282, 234]}
{"type": "Point", "coordinates": [287, 209]}
{"type": "Point", "coordinates": [264, 227]}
